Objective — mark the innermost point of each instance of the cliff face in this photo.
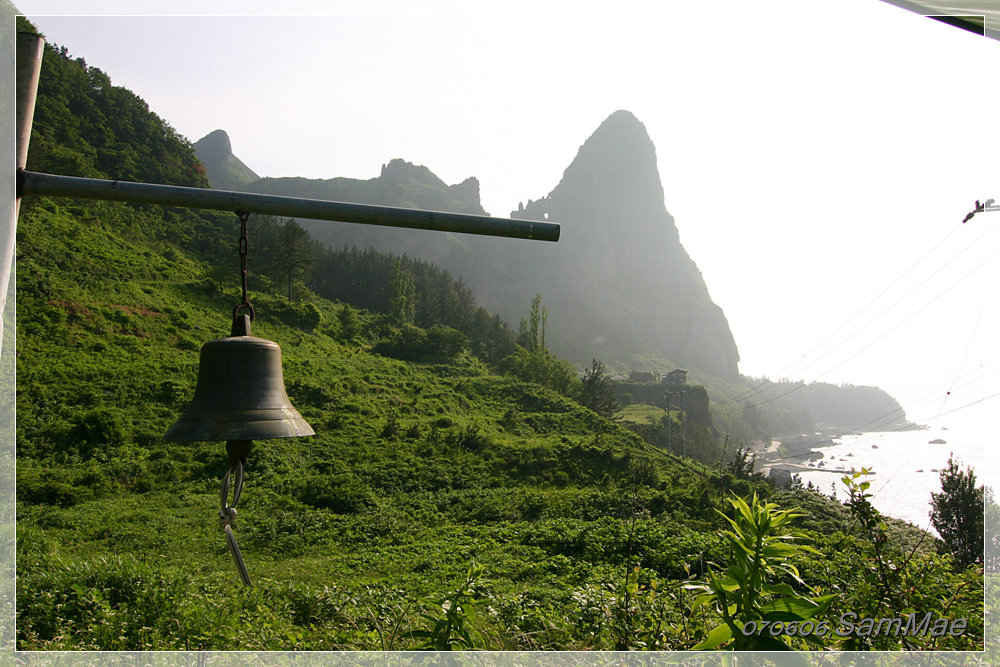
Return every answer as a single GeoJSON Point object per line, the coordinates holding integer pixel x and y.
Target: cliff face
{"type": "Point", "coordinates": [618, 286]}
{"type": "Point", "coordinates": [225, 170]}
{"type": "Point", "coordinates": [620, 268]}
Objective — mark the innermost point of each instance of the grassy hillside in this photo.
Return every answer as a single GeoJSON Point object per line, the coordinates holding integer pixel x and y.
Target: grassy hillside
{"type": "Point", "coordinates": [416, 469]}
{"type": "Point", "coordinates": [442, 503]}
{"type": "Point", "coordinates": [425, 482]}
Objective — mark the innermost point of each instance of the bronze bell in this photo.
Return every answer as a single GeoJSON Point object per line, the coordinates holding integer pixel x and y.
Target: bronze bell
{"type": "Point", "coordinates": [240, 393]}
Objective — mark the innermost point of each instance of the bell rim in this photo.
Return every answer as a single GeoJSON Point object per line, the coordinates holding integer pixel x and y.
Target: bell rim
{"type": "Point", "coordinates": [191, 429]}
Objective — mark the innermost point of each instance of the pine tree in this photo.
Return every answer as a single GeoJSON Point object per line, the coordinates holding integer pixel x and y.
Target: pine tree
{"type": "Point", "coordinates": [598, 391]}
{"type": "Point", "coordinates": [403, 295]}
{"type": "Point", "coordinates": [957, 514]}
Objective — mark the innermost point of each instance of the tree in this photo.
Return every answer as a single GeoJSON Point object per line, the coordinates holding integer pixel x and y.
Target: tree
{"type": "Point", "coordinates": [992, 521]}
{"type": "Point", "coordinates": [531, 334]}
{"type": "Point", "coordinates": [957, 514]}
{"type": "Point", "coordinates": [295, 253]}
{"type": "Point", "coordinates": [350, 322]}
{"type": "Point", "coordinates": [403, 295]}
{"type": "Point", "coordinates": [598, 392]}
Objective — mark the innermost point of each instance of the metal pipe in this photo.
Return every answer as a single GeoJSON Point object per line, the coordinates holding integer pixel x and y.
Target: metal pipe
{"type": "Point", "coordinates": [28, 66]}
{"type": "Point", "coordinates": [34, 183]}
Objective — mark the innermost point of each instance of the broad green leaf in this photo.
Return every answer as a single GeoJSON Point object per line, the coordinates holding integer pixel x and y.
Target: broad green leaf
{"type": "Point", "coordinates": [778, 589]}
{"type": "Point", "coordinates": [780, 550]}
{"type": "Point", "coordinates": [795, 608]}
{"type": "Point", "coordinates": [766, 642]}
{"type": "Point", "coordinates": [718, 636]}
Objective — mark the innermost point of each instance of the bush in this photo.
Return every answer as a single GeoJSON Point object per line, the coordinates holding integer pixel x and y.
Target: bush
{"type": "Point", "coordinates": [343, 493]}
{"type": "Point", "coordinates": [97, 430]}
{"type": "Point", "coordinates": [411, 343]}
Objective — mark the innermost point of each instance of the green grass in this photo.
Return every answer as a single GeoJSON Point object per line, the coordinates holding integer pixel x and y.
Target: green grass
{"type": "Point", "coordinates": [642, 413]}
{"type": "Point", "coordinates": [416, 471]}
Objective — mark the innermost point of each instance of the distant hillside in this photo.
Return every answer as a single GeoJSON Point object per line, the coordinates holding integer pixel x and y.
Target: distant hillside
{"type": "Point", "coordinates": [847, 407]}
{"type": "Point", "coordinates": [618, 286]}
{"type": "Point", "coordinates": [400, 184]}
{"type": "Point", "coordinates": [225, 170]}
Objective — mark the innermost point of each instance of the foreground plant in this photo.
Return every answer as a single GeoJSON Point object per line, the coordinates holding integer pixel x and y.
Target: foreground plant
{"type": "Point", "coordinates": [453, 616]}
{"type": "Point", "coordinates": [756, 607]}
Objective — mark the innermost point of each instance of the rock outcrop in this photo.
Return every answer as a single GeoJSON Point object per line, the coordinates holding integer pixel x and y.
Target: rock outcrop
{"type": "Point", "coordinates": [618, 286]}
{"type": "Point", "coordinates": [620, 271]}
{"type": "Point", "coordinates": [225, 170]}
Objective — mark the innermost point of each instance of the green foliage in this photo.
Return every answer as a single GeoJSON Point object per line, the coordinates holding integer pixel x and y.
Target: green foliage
{"type": "Point", "coordinates": [282, 250]}
{"type": "Point", "coordinates": [85, 126]}
{"type": "Point", "coordinates": [752, 588]}
{"type": "Point", "coordinates": [350, 323]}
{"type": "Point", "coordinates": [403, 297]}
{"type": "Point", "coordinates": [411, 343]}
{"type": "Point", "coordinates": [416, 468]}
{"type": "Point", "coordinates": [957, 514]}
{"type": "Point", "coordinates": [598, 391]}
{"type": "Point", "coordinates": [991, 521]}
{"type": "Point", "coordinates": [885, 573]}
{"type": "Point", "coordinates": [364, 279]}
{"type": "Point", "coordinates": [876, 530]}
{"type": "Point", "coordinates": [453, 616]}
{"type": "Point", "coordinates": [531, 334]}
{"type": "Point", "coordinates": [543, 368]}
{"type": "Point", "coordinates": [532, 362]}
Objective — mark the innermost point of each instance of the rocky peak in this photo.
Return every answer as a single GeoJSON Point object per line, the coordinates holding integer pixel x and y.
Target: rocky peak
{"type": "Point", "coordinates": [215, 144]}
{"type": "Point", "coordinates": [620, 266]}
{"type": "Point", "coordinates": [225, 170]}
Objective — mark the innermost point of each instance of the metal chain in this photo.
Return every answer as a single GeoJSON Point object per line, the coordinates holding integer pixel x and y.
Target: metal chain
{"type": "Point", "coordinates": [228, 514]}
{"type": "Point", "coordinates": [244, 216]}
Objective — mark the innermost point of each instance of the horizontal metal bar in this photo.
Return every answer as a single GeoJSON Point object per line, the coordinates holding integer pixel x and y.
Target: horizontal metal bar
{"type": "Point", "coordinates": [49, 185]}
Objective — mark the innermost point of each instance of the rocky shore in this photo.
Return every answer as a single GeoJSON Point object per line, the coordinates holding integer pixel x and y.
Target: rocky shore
{"type": "Point", "coordinates": [793, 453]}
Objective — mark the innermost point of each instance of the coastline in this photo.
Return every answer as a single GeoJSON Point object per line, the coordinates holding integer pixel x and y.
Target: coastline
{"type": "Point", "coordinates": [905, 465]}
{"type": "Point", "coordinates": [792, 454]}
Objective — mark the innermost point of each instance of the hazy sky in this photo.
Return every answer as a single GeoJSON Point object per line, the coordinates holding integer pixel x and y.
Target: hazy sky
{"type": "Point", "coordinates": [813, 154]}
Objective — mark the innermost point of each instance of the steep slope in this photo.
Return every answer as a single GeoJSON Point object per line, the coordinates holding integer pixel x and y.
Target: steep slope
{"type": "Point", "coordinates": [225, 170]}
{"type": "Point", "coordinates": [620, 263]}
{"type": "Point", "coordinates": [618, 286]}
{"type": "Point", "coordinates": [416, 468]}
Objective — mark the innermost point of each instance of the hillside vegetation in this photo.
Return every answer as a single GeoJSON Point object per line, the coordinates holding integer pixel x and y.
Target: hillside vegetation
{"type": "Point", "coordinates": [457, 493]}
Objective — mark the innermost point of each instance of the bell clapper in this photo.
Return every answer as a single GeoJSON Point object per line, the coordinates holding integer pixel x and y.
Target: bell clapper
{"type": "Point", "coordinates": [238, 451]}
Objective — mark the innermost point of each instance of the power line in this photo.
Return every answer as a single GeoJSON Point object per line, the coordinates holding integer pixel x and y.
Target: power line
{"type": "Point", "coordinates": [866, 347]}
{"type": "Point", "coordinates": [972, 335]}
{"type": "Point", "coordinates": [756, 390]}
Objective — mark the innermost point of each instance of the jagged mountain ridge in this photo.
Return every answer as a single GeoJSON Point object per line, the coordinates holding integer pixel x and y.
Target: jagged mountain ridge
{"type": "Point", "coordinates": [618, 285]}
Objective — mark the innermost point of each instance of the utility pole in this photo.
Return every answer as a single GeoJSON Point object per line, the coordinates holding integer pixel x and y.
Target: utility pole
{"type": "Point", "coordinates": [670, 424]}
{"type": "Point", "coordinates": [684, 441]}
{"type": "Point", "coordinates": [670, 421]}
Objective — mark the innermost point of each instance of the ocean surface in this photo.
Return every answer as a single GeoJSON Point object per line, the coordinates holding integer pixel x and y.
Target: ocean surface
{"type": "Point", "coordinates": [906, 466]}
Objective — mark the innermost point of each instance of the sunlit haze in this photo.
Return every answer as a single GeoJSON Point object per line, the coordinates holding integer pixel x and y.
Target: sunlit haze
{"type": "Point", "coordinates": [818, 163]}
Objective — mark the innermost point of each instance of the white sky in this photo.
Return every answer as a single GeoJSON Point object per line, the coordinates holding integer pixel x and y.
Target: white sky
{"type": "Point", "coordinates": [811, 152]}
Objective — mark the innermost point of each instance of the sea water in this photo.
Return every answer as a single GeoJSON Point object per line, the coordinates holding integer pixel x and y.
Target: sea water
{"type": "Point", "coordinates": [907, 466]}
